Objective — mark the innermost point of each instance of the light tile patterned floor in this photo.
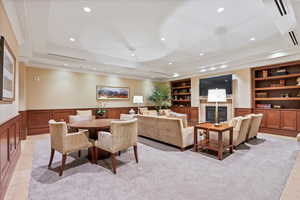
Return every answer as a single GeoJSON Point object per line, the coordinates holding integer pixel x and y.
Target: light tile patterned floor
{"type": "Point", "coordinates": [18, 187]}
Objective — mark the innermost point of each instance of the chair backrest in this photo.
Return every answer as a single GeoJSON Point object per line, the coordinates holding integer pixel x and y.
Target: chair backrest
{"type": "Point", "coordinates": [79, 118]}
{"type": "Point", "coordinates": [84, 112]}
{"type": "Point", "coordinates": [242, 127]}
{"type": "Point", "coordinates": [124, 133]}
{"type": "Point", "coordinates": [255, 124]}
{"type": "Point", "coordinates": [58, 131]}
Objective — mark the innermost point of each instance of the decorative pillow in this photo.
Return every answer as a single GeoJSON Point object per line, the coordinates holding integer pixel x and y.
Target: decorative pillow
{"type": "Point", "coordinates": [180, 116]}
{"type": "Point", "coordinates": [165, 112]}
{"type": "Point", "coordinates": [143, 110]}
{"type": "Point", "coordinates": [84, 112]}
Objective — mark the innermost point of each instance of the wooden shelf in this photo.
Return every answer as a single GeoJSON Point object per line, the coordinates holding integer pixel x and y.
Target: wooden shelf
{"type": "Point", "coordinates": [181, 100]}
{"type": "Point", "coordinates": [278, 77]}
{"type": "Point", "coordinates": [278, 88]}
{"type": "Point", "coordinates": [181, 87]}
{"type": "Point", "coordinates": [278, 99]}
{"type": "Point", "coordinates": [181, 94]}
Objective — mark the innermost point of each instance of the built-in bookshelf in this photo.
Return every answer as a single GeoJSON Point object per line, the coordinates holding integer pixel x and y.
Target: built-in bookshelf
{"type": "Point", "coordinates": [276, 86]}
{"type": "Point", "coordinates": [181, 93]}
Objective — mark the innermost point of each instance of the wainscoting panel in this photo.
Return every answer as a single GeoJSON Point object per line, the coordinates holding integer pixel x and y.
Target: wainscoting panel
{"type": "Point", "coordinates": [9, 151]}
{"type": "Point", "coordinates": [242, 111]}
{"type": "Point", "coordinates": [38, 119]}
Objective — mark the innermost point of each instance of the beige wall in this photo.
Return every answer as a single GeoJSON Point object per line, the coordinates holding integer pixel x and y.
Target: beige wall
{"type": "Point", "coordinates": [241, 88]}
{"type": "Point", "coordinates": [8, 111]}
{"type": "Point", "coordinates": [51, 89]}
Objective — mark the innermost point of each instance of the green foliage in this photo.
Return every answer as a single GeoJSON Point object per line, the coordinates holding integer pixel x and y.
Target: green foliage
{"type": "Point", "coordinates": [161, 96]}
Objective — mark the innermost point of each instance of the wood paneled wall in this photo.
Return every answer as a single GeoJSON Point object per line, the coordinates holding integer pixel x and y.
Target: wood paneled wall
{"type": "Point", "coordinates": [276, 121]}
{"type": "Point", "coordinates": [37, 120]}
{"type": "Point", "coordinates": [9, 151]}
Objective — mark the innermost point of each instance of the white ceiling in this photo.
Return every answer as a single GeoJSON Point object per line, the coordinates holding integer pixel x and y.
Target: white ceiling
{"type": "Point", "coordinates": [106, 38]}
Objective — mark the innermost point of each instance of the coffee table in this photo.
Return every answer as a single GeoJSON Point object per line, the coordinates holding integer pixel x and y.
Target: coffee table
{"type": "Point", "coordinates": [214, 145]}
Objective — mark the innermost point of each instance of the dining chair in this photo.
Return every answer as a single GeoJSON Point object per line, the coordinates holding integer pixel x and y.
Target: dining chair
{"type": "Point", "coordinates": [122, 136]}
{"type": "Point", "coordinates": [65, 142]}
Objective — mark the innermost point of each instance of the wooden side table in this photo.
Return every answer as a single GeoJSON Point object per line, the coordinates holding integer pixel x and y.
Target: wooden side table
{"type": "Point", "coordinates": [208, 143]}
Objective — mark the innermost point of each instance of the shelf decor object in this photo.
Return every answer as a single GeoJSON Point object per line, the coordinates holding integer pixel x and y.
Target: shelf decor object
{"type": "Point", "coordinates": [298, 81]}
{"type": "Point", "coordinates": [137, 100]}
{"type": "Point", "coordinates": [217, 95]}
{"type": "Point", "coordinates": [7, 72]}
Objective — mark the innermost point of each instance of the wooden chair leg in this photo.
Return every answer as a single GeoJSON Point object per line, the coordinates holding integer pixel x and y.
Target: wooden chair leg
{"type": "Point", "coordinates": [113, 163]}
{"type": "Point", "coordinates": [95, 155]}
{"type": "Point", "coordinates": [79, 153]}
{"type": "Point", "coordinates": [63, 162]}
{"type": "Point", "coordinates": [51, 157]}
{"type": "Point", "coordinates": [136, 153]}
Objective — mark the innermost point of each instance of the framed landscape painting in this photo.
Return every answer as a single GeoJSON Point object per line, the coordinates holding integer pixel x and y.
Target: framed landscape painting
{"type": "Point", "coordinates": [106, 93]}
{"type": "Point", "coordinates": [7, 72]}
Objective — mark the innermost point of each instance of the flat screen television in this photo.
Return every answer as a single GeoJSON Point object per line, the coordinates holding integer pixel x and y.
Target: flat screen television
{"type": "Point", "coordinates": [220, 82]}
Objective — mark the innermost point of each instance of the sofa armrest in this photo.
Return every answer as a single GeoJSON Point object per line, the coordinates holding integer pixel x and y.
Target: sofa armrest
{"type": "Point", "coordinates": [187, 136]}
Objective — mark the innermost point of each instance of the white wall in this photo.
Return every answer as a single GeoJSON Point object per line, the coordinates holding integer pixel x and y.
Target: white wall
{"type": "Point", "coordinates": [241, 88]}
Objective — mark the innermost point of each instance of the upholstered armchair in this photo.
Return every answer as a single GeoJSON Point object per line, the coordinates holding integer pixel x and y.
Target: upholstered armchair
{"type": "Point", "coordinates": [254, 125]}
{"type": "Point", "coordinates": [240, 131]}
{"type": "Point", "coordinates": [122, 136]}
{"type": "Point", "coordinates": [66, 143]}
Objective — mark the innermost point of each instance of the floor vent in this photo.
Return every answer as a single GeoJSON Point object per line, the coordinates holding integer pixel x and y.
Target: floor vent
{"type": "Point", "coordinates": [281, 7]}
{"type": "Point", "coordinates": [293, 38]}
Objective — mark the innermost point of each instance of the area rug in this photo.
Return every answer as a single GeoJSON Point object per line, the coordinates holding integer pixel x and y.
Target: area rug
{"type": "Point", "coordinates": [256, 171]}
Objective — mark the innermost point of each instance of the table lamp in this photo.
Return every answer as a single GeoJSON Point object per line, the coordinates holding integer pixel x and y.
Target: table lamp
{"type": "Point", "coordinates": [216, 95]}
{"type": "Point", "coordinates": [138, 100]}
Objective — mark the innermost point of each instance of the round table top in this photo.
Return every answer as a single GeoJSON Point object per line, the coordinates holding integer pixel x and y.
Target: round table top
{"type": "Point", "coordinates": [96, 123]}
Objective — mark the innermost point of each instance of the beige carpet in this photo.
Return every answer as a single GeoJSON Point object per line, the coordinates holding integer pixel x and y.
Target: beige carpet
{"type": "Point", "coordinates": [256, 171]}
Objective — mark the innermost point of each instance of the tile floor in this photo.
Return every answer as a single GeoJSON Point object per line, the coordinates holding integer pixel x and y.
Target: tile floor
{"type": "Point", "coordinates": [18, 187]}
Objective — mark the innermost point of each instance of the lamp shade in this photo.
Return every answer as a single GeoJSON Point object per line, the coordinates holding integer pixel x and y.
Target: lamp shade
{"type": "Point", "coordinates": [217, 95]}
{"type": "Point", "coordinates": [138, 99]}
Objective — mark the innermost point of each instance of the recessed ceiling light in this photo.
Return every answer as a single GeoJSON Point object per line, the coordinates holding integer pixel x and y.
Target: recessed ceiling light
{"type": "Point", "coordinates": [72, 39]}
{"type": "Point", "coordinates": [87, 9]}
{"type": "Point", "coordinates": [132, 54]}
{"type": "Point", "coordinates": [201, 54]}
{"type": "Point", "coordinates": [162, 39]}
{"type": "Point", "coordinates": [212, 68]}
{"type": "Point", "coordinates": [252, 39]}
{"type": "Point", "coordinates": [175, 75]}
{"type": "Point", "coordinates": [203, 70]}
{"type": "Point", "coordinates": [220, 10]}
{"type": "Point", "coordinates": [223, 66]}
{"type": "Point", "coordinates": [170, 63]}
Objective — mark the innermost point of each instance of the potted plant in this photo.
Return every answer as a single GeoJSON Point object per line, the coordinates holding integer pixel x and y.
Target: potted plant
{"type": "Point", "coordinates": [161, 96]}
{"type": "Point", "coordinates": [101, 110]}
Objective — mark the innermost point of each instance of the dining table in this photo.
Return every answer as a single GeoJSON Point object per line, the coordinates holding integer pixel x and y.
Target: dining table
{"type": "Point", "coordinates": [94, 126]}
